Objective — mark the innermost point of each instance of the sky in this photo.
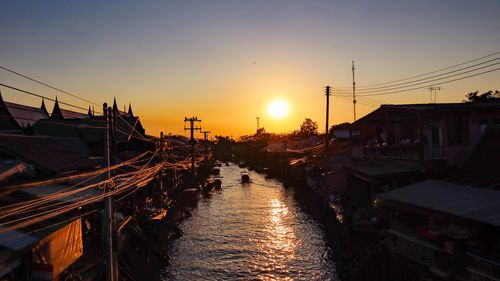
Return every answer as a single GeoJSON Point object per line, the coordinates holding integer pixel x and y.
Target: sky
{"type": "Point", "coordinates": [226, 61]}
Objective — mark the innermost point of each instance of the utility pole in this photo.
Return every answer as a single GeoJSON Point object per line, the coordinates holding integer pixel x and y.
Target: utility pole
{"type": "Point", "coordinates": [258, 126]}
{"type": "Point", "coordinates": [162, 152]}
{"type": "Point", "coordinates": [327, 93]}
{"type": "Point", "coordinates": [205, 134]}
{"type": "Point", "coordinates": [192, 128]}
{"type": "Point", "coordinates": [354, 91]}
{"type": "Point", "coordinates": [108, 222]}
{"type": "Point", "coordinates": [433, 91]}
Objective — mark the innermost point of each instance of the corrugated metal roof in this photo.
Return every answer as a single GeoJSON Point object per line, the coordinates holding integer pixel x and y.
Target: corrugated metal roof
{"type": "Point", "coordinates": [478, 204]}
{"type": "Point", "coordinates": [16, 240]}
{"type": "Point", "coordinates": [444, 106]}
{"type": "Point", "coordinates": [380, 113]}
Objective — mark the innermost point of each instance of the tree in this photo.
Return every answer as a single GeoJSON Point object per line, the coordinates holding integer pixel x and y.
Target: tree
{"type": "Point", "coordinates": [308, 128]}
{"type": "Point", "coordinates": [223, 139]}
{"type": "Point", "coordinates": [341, 126]}
{"type": "Point", "coordinates": [489, 96]}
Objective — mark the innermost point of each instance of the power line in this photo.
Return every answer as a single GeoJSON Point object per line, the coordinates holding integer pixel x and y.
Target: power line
{"type": "Point", "coordinates": [47, 85]}
{"type": "Point", "coordinates": [431, 79]}
{"type": "Point", "coordinates": [431, 72]}
{"type": "Point", "coordinates": [432, 84]}
{"type": "Point", "coordinates": [42, 96]}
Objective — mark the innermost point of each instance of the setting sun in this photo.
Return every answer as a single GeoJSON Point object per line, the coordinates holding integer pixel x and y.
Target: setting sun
{"type": "Point", "coordinates": [278, 109]}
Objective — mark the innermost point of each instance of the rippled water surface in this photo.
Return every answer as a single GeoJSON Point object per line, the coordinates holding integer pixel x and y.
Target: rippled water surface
{"type": "Point", "coordinates": [250, 232]}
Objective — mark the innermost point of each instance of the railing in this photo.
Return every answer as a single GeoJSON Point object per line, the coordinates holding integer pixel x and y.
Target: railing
{"type": "Point", "coordinates": [403, 151]}
{"type": "Point", "coordinates": [433, 152]}
{"type": "Point", "coordinates": [406, 152]}
{"type": "Point", "coordinates": [482, 268]}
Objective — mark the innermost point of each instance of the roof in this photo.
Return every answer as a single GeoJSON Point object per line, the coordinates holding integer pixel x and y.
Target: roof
{"type": "Point", "coordinates": [384, 167]}
{"type": "Point", "coordinates": [25, 115]}
{"type": "Point", "coordinates": [16, 240]}
{"type": "Point", "coordinates": [68, 114]}
{"type": "Point", "coordinates": [435, 107]}
{"type": "Point", "coordinates": [444, 106]}
{"type": "Point", "coordinates": [59, 113]}
{"type": "Point", "coordinates": [90, 129]}
{"type": "Point", "coordinates": [44, 152]}
{"type": "Point", "coordinates": [45, 190]}
{"type": "Point", "coordinates": [478, 204]}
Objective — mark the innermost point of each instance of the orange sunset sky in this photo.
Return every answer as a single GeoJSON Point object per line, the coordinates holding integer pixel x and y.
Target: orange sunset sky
{"type": "Point", "coordinates": [226, 61]}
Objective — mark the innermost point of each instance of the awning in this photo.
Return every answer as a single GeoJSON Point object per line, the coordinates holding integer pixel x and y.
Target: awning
{"type": "Point", "coordinates": [478, 204]}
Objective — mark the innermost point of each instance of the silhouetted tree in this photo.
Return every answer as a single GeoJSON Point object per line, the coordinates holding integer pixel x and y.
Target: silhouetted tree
{"type": "Point", "coordinates": [224, 140]}
{"type": "Point", "coordinates": [489, 96]}
{"type": "Point", "coordinates": [308, 128]}
{"type": "Point", "coordinates": [260, 131]}
{"type": "Point", "coordinates": [341, 126]}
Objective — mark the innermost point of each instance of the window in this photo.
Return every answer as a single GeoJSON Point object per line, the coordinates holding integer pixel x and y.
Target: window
{"type": "Point", "coordinates": [458, 132]}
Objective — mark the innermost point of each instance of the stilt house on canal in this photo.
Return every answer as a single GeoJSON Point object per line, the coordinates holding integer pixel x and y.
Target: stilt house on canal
{"type": "Point", "coordinates": [51, 160]}
{"type": "Point", "coordinates": [402, 144]}
{"type": "Point", "coordinates": [425, 176]}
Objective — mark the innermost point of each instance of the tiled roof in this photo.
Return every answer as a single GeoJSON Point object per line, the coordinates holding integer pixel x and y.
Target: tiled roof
{"type": "Point", "coordinates": [25, 115]}
{"type": "Point", "coordinates": [44, 153]}
{"type": "Point", "coordinates": [68, 114]}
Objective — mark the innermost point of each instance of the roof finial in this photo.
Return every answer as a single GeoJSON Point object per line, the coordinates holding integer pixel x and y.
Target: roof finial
{"type": "Point", "coordinates": [115, 107]}
{"type": "Point", "coordinates": [130, 110]}
{"type": "Point", "coordinates": [43, 107]}
{"type": "Point", "coordinates": [56, 111]}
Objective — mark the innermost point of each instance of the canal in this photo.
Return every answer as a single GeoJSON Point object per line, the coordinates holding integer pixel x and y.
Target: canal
{"type": "Point", "coordinates": [255, 231]}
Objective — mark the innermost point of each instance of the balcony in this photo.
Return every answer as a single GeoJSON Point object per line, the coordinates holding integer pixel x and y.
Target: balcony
{"type": "Point", "coordinates": [416, 152]}
{"type": "Point", "coordinates": [482, 268]}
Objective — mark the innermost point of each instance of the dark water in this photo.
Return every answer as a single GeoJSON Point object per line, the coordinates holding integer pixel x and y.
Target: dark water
{"type": "Point", "coordinates": [255, 231]}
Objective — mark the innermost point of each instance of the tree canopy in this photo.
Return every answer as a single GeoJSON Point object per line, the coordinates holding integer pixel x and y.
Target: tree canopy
{"type": "Point", "coordinates": [489, 96]}
{"type": "Point", "coordinates": [308, 128]}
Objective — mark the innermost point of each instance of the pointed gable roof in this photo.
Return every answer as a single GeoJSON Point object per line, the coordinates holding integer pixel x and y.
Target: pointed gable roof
{"type": "Point", "coordinates": [130, 110]}
{"type": "Point", "coordinates": [56, 111]}
{"type": "Point", "coordinates": [59, 113]}
{"type": "Point", "coordinates": [116, 110]}
{"type": "Point", "coordinates": [43, 107]}
{"type": "Point", "coordinates": [115, 107]}
{"type": "Point", "coordinates": [15, 116]}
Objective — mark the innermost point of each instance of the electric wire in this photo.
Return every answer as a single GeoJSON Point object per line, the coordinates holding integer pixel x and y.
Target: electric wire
{"type": "Point", "coordinates": [41, 96]}
{"type": "Point", "coordinates": [423, 81]}
{"type": "Point", "coordinates": [428, 73]}
{"type": "Point", "coordinates": [47, 85]}
{"type": "Point", "coordinates": [430, 85]}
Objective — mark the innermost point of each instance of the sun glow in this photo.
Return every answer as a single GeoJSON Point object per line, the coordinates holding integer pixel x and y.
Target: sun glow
{"type": "Point", "coordinates": [278, 109]}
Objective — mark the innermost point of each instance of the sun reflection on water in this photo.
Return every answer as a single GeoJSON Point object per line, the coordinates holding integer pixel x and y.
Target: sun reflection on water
{"type": "Point", "coordinates": [279, 242]}
{"type": "Point", "coordinates": [249, 232]}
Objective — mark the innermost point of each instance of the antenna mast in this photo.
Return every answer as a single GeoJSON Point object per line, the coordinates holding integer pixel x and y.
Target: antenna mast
{"type": "Point", "coordinates": [353, 91]}
{"type": "Point", "coordinates": [433, 91]}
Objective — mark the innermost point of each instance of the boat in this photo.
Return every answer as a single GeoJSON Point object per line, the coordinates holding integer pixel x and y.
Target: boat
{"type": "Point", "coordinates": [189, 196]}
{"type": "Point", "coordinates": [208, 188]}
{"type": "Point", "coordinates": [218, 184]}
{"type": "Point", "coordinates": [245, 178]}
